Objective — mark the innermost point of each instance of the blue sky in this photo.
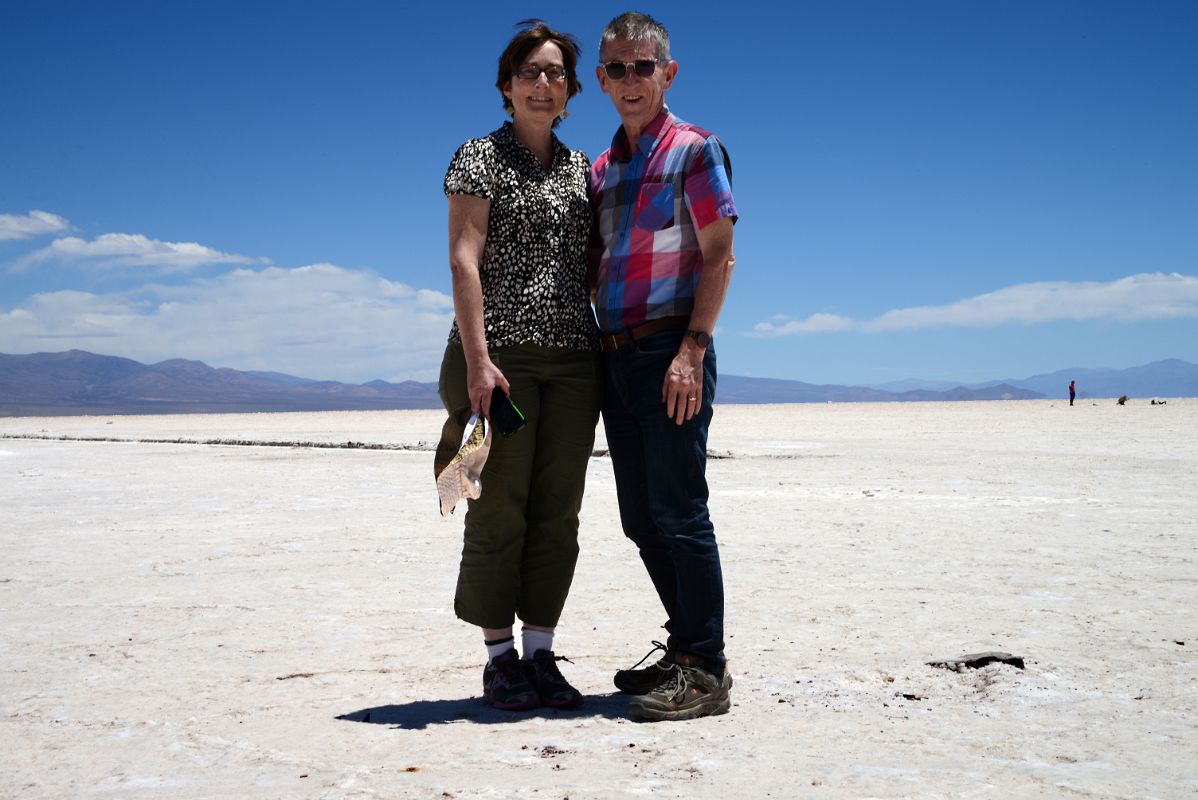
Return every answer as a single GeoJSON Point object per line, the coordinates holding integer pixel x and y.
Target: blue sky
{"type": "Point", "coordinates": [941, 190]}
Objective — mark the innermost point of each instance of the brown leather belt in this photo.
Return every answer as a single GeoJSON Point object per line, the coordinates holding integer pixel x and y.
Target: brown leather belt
{"type": "Point", "coordinates": [614, 341]}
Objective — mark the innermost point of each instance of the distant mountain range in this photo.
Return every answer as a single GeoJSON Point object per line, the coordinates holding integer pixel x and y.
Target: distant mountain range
{"type": "Point", "coordinates": [1171, 377]}
{"type": "Point", "coordinates": [80, 383]}
{"type": "Point", "coordinates": [739, 389]}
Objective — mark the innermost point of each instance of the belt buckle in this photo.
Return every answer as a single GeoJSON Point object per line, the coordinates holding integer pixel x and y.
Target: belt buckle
{"type": "Point", "coordinates": [609, 342]}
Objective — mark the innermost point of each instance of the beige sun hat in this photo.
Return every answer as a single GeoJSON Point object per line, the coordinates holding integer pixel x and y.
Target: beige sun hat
{"type": "Point", "coordinates": [461, 454]}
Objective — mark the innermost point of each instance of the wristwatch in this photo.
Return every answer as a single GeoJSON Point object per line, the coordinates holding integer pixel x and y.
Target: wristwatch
{"type": "Point", "coordinates": [702, 338]}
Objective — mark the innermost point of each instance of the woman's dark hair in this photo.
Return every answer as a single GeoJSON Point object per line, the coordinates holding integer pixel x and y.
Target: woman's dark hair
{"type": "Point", "coordinates": [534, 34]}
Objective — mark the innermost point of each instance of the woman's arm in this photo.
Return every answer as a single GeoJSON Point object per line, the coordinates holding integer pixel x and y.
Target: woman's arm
{"type": "Point", "coordinates": [467, 239]}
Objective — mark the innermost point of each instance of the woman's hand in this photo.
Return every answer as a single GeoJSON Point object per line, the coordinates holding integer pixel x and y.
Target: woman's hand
{"type": "Point", "coordinates": [481, 380]}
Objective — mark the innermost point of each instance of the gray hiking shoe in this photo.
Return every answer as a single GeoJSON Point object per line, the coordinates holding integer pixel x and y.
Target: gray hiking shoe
{"type": "Point", "coordinates": [643, 681]}
{"type": "Point", "coordinates": [686, 692]}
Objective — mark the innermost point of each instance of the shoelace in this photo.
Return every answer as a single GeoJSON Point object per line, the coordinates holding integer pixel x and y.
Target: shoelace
{"type": "Point", "coordinates": [656, 646]}
{"type": "Point", "coordinates": [677, 684]}
{"type": "Point", "coordinates": [550, 665]}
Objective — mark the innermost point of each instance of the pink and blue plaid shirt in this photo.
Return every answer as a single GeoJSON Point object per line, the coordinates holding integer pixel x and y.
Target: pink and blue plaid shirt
{"type": "Point", "coordinates": [648, 205]}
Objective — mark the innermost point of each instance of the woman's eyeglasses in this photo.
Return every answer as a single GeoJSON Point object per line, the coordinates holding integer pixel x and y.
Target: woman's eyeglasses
{"type": "Point", "coordinates": [530, 72]}
{"type": "Point", "coordinates": [643, 67]}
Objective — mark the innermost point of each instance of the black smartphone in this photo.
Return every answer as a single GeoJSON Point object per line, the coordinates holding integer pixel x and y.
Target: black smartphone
{"type": "Point", "coordinates": [506, 418]}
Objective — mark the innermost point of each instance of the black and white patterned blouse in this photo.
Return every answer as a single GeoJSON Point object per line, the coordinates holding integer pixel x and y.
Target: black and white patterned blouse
{"type": "Point", "coordinates": [533, 268]}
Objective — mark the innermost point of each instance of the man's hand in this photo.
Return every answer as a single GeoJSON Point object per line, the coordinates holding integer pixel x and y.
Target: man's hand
{"type": "Point", "coordinates": [682, 389]}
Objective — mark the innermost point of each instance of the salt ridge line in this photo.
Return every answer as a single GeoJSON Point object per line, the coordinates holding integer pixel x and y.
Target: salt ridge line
{"type": "Point", "coordinates": [421, 446]}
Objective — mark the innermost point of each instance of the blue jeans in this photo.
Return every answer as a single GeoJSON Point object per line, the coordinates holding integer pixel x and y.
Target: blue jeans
{"type": "Point", "coordinates": [662, 489]}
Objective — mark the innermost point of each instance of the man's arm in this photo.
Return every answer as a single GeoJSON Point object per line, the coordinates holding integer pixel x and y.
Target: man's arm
{"type": "Point", "coordinates": [684, 378]}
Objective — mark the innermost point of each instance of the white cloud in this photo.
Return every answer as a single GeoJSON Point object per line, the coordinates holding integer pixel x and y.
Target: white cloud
{"type": "Point", "coordinates": [135, 250]}
{"type": "Point", "coordinates": [816, 323]}
{"type": "Point", "coordinates": [35, 223]}
{"type": "Point", "coordinates": [319, 321]}
{"type": "Point", "coordinates": [1147, 296]}
{"type": "Point", "coordinates": [1137, 297]}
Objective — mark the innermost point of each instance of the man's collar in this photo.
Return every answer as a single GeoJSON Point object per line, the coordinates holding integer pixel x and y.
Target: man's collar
{"type": "Point", "coordinates": [620, 150]}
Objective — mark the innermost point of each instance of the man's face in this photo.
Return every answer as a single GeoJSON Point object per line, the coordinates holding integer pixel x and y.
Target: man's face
{"type": "Point", "coordinates": [637, 100]}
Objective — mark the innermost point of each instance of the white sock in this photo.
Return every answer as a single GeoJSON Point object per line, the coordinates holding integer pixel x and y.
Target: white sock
{"type": "Point", "coordinates": [534, 641]}
{"type": "Point", "coordinates": [499, 647]}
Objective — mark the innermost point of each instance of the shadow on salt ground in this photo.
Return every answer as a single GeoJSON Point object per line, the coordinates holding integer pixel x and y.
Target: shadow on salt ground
{"type": "Point", "coordinates": [422, 713]}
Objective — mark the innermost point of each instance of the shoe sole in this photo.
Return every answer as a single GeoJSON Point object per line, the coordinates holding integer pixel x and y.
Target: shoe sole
{"type": "Point", "coordinates": [563, 706]}
{"type": "Point", "coordinates": [523, 705]}
{"type": "Point", "coordinates": [654, 714]}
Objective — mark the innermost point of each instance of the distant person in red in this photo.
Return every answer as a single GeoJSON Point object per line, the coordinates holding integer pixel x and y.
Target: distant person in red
{"type": "Point", "coordinates": [1072, 391]}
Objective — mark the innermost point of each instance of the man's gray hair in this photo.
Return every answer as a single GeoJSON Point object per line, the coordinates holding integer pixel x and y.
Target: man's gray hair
{"type": "Point", "coordinates": [633, 26]}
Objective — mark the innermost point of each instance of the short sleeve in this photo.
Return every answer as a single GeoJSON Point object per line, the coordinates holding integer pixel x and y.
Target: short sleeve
{"type": "Point", "coordinates": [708, 185]}
{"type": "Point", "coordinates": [472, 170]}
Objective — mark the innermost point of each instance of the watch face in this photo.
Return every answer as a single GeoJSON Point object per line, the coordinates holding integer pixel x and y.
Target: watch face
{"type": "Point", "coordinates": [702, 338]}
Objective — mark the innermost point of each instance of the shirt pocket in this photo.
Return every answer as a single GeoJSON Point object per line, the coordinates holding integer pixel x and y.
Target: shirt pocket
{"type": "Point", "coordinates": [654, 207]}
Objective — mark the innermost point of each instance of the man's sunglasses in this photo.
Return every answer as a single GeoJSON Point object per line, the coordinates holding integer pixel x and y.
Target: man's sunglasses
{"type": "Point", "coordinates": [643, 67]}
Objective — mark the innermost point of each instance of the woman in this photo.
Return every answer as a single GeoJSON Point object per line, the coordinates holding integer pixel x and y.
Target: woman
{"type": "Point", "coordinates": [518, 228]}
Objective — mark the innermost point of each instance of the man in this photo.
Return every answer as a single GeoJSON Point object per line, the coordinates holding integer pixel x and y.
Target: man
{"type": "Point", "coordinates": [664, 214]}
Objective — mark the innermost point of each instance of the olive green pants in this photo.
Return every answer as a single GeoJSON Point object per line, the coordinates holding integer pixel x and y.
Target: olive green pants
{"type": "Point", "coordinates": [521, 538]}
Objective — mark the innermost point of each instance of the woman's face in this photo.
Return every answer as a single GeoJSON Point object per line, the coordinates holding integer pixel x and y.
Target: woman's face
{"type": "Point", "coordinates": [541, 98]}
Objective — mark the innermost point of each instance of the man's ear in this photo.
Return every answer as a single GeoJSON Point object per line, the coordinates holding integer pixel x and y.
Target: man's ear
{"type": "Point", "coordinates": [671, 72]}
